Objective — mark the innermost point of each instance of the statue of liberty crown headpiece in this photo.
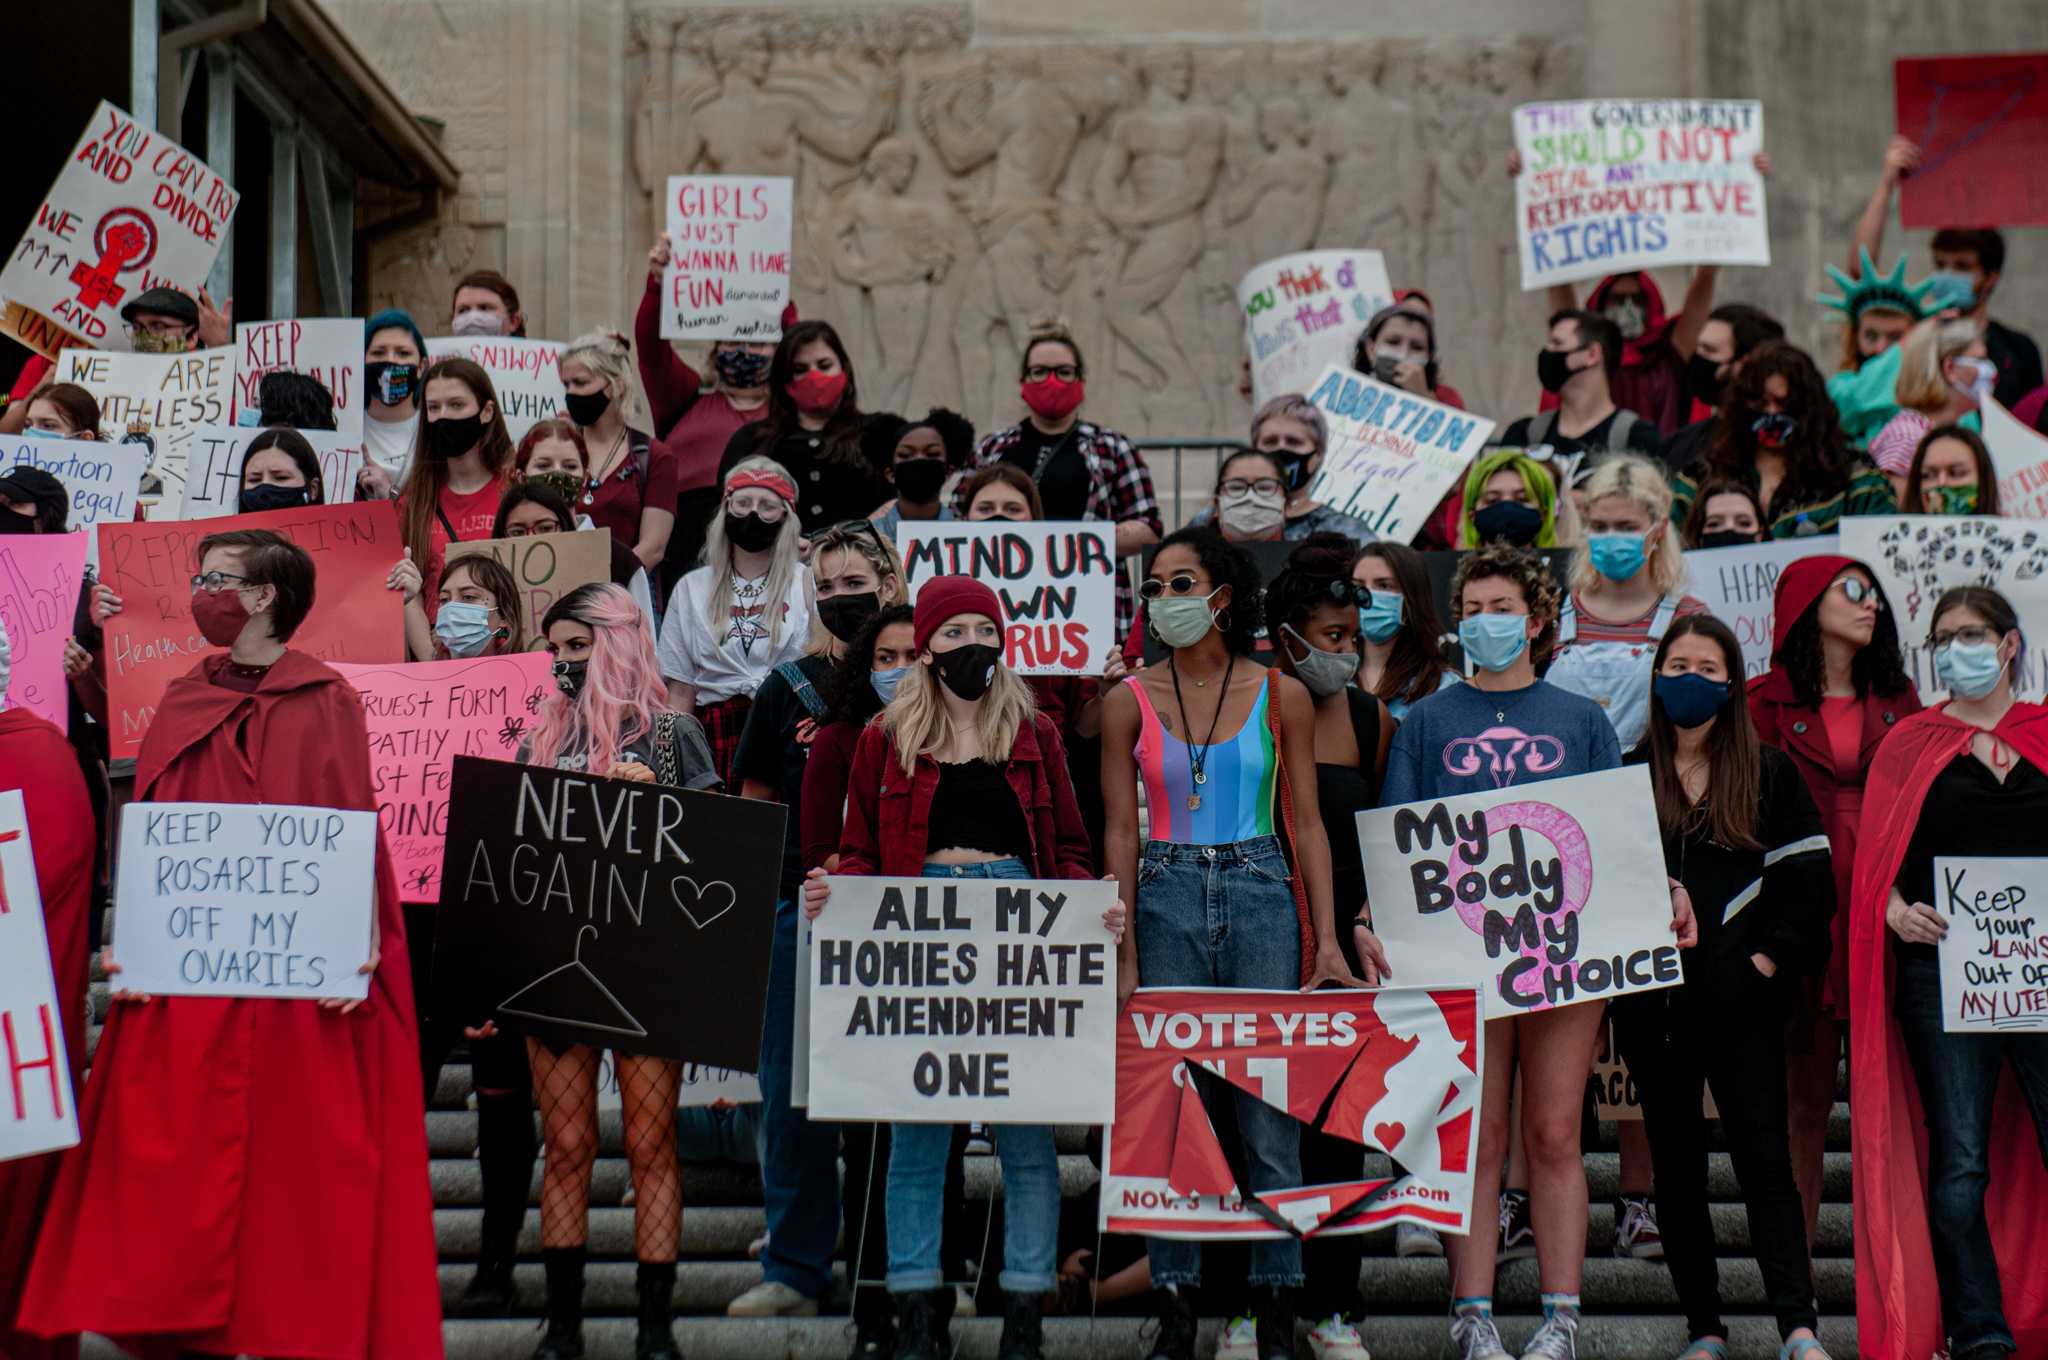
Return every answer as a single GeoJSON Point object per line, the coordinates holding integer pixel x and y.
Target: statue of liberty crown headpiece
{"type": "Point", "coordinates": [1871, 289]}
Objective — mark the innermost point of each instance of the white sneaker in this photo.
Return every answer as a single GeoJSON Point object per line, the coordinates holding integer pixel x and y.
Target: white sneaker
{"type": "Point", "coordinates": [1556, 1339]}
{"type": "Point", "coordinates": [772, 1298]}
{"type": "Point", "coordinates": [1337, 1339]}
{"type": "Point", "coordinates": [1412, 1239]}
{"type": "Point", "coordinates": [1477, 1338]}
{"type": "Point", "coordinates": [1240, 1340]}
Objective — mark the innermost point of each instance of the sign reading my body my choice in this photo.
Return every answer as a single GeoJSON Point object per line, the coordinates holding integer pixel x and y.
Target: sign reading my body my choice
{"type": "Point", "coordinates": [1057, 583]}
{"type": "Point", "coordinates": [1994, 959]}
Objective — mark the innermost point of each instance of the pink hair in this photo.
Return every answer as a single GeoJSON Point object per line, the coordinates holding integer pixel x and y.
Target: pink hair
{"type": "Point", "coordinates": [622, 690]}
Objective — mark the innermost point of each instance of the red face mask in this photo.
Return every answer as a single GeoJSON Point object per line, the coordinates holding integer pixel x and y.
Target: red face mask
{"type": "Point", "coordinates": [1053, 399]}
{"type": "Point", "coordinates": [817, 394]}
{"type": "Point", "coordinates": [221, 617]}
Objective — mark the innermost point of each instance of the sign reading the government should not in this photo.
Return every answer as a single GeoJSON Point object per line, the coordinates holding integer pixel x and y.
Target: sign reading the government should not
{"type": "Point", "coordinates": [1994, 959]}
{"type": "Point", "coordinates": [526, 374]}
{"type": "Point", "coordinates": [1303, 313]}
{"type": "Point", "coordinates": [1392, 454]}
{"type": "Point", "coordinates": [1740, 587]}
{"type": "Point", "coordinates": [940, 1000]}
{"type": "Point", "coordinates": [1057, 582]}
{"type": "Point", "coordinates": [1610, 185]}
{"type": "Point", "coordinates": [37, 1113]}
{"type": "Point", "coordinates": [1541, 895]}
{"type": "Point", "coordinates": [157, 401]}
{"type": "Point", "coordinates": [728, 276]}
{"type": "Point", "coordinates": [245, 899]}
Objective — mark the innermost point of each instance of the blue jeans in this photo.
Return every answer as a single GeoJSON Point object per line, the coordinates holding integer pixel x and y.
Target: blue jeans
{"type": "Point", "coordinates": [1958, 1077]}
{"type": "Point", "coordinates": [799, 1156]}
{"type": "Point", "coordinates": [1224, 916]}
{"type": "Point", "coordinates": [705, 1133]}
{"type": "Point", "coordinates": [917, 1179]}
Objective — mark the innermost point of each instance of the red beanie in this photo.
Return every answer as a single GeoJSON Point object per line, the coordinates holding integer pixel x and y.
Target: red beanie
{"type": "Point", "coordinates": [944, 597]}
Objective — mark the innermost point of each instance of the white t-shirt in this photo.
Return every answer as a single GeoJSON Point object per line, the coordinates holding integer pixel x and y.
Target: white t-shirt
{"type": "Point", "coordinates": [388, 444]}
{"type": "Point", "coordinates": [735, 657]}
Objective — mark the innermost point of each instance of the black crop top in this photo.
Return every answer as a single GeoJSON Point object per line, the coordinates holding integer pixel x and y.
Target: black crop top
{"type": "Point", "coordinates": [974, 808]}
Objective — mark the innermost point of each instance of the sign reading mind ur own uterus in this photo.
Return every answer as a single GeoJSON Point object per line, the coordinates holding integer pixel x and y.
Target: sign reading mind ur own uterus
{"type": "Point", "coordinates": [728, 271]}
{"type": "Point", "coordinates": [1304, 312]}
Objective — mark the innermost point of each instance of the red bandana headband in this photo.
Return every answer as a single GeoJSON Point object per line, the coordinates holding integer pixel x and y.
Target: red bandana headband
{"type": "Point", "coordinates": [767, 481]}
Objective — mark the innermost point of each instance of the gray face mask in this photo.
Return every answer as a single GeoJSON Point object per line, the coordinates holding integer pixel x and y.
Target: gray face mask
{"type": "Point", "coordinates": [1628, 316]}
{"type": "Point", "coordinates": [1325, 673]}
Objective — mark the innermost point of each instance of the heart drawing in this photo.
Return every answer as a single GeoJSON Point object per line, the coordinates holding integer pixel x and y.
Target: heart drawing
{"type": "Point", "coordinates": [705, 904]}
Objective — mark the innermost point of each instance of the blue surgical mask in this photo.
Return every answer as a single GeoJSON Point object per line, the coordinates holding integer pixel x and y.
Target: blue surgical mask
{"type": "Point", "coordinates": [1969, 672]}
{"type": "Point", "coordinates": [37, 432]}
{"type": "Point", "coordinates": [464, 628]}
{"type": "Point", "coordinates": [1616, 556]}
{"type": "Point", "coordinates": [1493, 641]}
{"type": "Point", "coordinates": [885, 682]}
{"type": "Point", "coordinates": [1951, 288]}
{"type": "Point", "coordinates": [1690, 700]}
{"type": "Point", "coordinates": [1382, 618]}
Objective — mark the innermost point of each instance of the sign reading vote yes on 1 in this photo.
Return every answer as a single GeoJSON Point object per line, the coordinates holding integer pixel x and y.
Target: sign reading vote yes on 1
{"type": "Point", "coordinates": [1994, 959]}
{"type": "Point", "coordinates": [1304, 312]}
{"type": "Point", "coordinates": [728, 276]}
{"type": "Point", "coordinates": [1541, 895]}
{"type": "Point", "coordinates": [36, 1109]}
{"type": "Point", "coordinates": [1610, 185]}
{"type": "Point", "coordinates": [245, 899]}
{"type": "Point", "coordinates": [526, 374]}
{"type": "Point", "coordinates": [1392, 454]}
{"type": "Point", "coordinates": [1057, 582]}
{"type": "Point", "coordinates": [1740, 587]}
{"type": "Point", "coordinates": [938, 1000]}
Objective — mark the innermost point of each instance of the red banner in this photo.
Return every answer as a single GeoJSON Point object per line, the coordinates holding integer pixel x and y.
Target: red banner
{"type": "Point", "coordinates": [153, 640]}
{"type": "Point", "coordinates": [1982, 127]}
{"type": "Point", "coordinates": [1395, 1070]}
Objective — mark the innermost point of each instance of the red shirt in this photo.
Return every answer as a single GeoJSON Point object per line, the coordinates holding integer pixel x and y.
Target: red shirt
{"type": "Point", "coordinates": [692, 425]}
{"type": "Point", "coordinates": [472, 516]}
{"type": "Point", "coordinates": [647, 477]}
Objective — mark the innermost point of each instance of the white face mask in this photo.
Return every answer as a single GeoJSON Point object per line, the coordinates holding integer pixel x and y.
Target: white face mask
{"type": "Point", "coordinates": [1252, 515]}
{"type": "Point", "coordinates": [478, 321]}
{"type": "Point", "coordinates": [1985, 377]}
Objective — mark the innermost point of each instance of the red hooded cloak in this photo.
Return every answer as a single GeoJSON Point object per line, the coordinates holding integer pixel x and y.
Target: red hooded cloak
{"type": "Point", "coordinates": [252, 1175]}
{"type": "Point", "coordinates": [1652, 378]}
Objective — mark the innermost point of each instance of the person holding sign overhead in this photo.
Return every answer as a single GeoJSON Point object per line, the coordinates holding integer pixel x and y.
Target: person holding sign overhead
{"type": "Point", "coordinates": [216, 1130]}
{"type": "Point", "coordinates": [959, 778]}
{"type": "Point", "coordinates": [1966, 778]}
{"type": "Point", "coordinates": [463, 456]}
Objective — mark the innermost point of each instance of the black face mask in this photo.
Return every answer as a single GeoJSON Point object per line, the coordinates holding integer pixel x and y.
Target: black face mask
{"type": "Point", "coordinates": [391, 382]}
{"type": "Point", "coordinates": [1554, 368]}
{"type": "Point", "coordinates": [452, 436]}
{"type": "Point", "coordinates": [969, 670]}
{"type": "Point", "coordinates": [918, 479]}
{"type": "Point", "coordinates": [751, 533]}
{"type": "Point", "coordinates": [270, 496]}
{"type": "Point", "coordinates": [843, 615]}
{"type": "Point", "coordinates": [1508, 522]}
{"type": "Point", "coordinates": [12, 523]}
{"type": "Point", "coordinates": [1703, 380]}
{"type": "Point", "coordinates": [585, 408]}
{"type": "Point", "coordinates": [1773, 429]}
{"type": "Point", "coordinates": [569, 676]}
{"type": "Point", "coordinates": [1293, 468]}
{"type": "Point", "coordinates": [1727, 538]}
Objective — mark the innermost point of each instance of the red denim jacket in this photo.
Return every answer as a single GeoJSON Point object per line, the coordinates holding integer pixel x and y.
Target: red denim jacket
{"type": "Point", "coordinates": [888, 813]}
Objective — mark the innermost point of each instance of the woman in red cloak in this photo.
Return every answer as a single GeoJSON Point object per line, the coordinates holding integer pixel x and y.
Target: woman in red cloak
{"type": "Point", "coordinates": [259, 1166]}
{"type": "Point", "coordinates": [36, 759]}
{"type": "Point", "coordinates": [1951, 1174]}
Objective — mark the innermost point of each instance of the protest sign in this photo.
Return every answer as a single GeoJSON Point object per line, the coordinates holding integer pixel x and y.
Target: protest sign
{"type": "Point", "coordinates": [423, 715]}
{"type": "Point", "coordinates": [525, 373]}
{"type": "Point", "coordinates": [800, 1017]}
{"type": "Point", "coordinates": [546, 566]}
{"type": "Point", "coordinates": [1610, 185]}
{"type": "Point", "coordinates": [39, 575]}
{"type": "Point", "coordinates": [153, 640]}
{"type": "Point", "coordinates": [157, 401]}
{"type": "Point", "coordinates": [728, 274]}
{"type": "Point", "coordinates": [37, 332]}
{"type": "Point", "coordinates": [1917, 557]}
{"type": "Point", "coordinates": [213, 468]}
{"type": "Point", "coordinates": [1982, 127]}
{"type": "Point", "coordinates": [1392, 454]}
{"type": "Point", "coordinates": [1994, 959]}
{"type": "Point", "coordinates": [940, 1000]}
{"type": "Point", "coordinates": [245, 899]}
{"type": "Point", "coordinates": [131, 210]}
{"type": "Point", "coordinates": [1057, 583]}
{"type": "Point", "coordinates": [1740, 587]}
{"type": "Point", "coordinates": [1395, 1070]}
{"type": "Point", "coordinates": [327, 348]}
{"type": "Point", "coordinates": [2019, 459]}
{"type": "Point", "coordinates": [700, 1085]}
{"type": "Point", "coordinates": [37, 1113]}
{"type": "Point", "coordinates": [1303, 313]}
{"type": "Point", "coordinates": [1541, 895]}
{"type": "Point", "coordinates": [102, 478]}
{"type": "Point", "coordinates": [602, 911]}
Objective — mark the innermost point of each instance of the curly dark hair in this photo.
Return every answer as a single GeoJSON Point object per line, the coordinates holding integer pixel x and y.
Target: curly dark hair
{"type": "Point", "coordinates": [1226, 565]}
{"type": "Point", "coordinates": [1879, 667]}
{"type": "Point", "coordinates": [849, 697]}
{"type": "Point", "coordinates": [1527, 569]}
{"type": "Point", "coordinates": [1416, 666]}
{"type": "Point", "coordinates": [1817, 458]}
{"type": "Point", "coordinates": [1304, 582]}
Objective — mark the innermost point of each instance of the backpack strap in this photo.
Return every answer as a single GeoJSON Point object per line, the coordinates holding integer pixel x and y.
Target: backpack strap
{"type": "Point", "coordinates": [800, 684]}
{"type": "Point", "coordinates": [1567, 624]}
{"type": "Point", "coordinates": [1617, 433]}
{"type": "Point", "coordinates": [1540, 426]}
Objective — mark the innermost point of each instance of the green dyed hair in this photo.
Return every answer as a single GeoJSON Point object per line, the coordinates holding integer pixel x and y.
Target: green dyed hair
{"type": "Point", "coordinates": [1536, 475]}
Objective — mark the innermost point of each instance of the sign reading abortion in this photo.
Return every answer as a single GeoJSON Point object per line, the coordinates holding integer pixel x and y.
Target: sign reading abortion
{"type": "Point", "coordinates": [1392, 454]}
{"type": "Point", "coordinates": [1994, 959]}
{"type": "Point", "coordinates": [101, 478]}
{"type": "Point", "coordinates": [1610, 185]}
{"type": "Point", "coordinates": [37, 1113]}
{"type": "Point", "coordinates": [728, 270]}
{"type": "Point", "coordinates": [1303, 313]}
{"type": "Point", "coordinates": [1057, 583]}
{"type": "Point", "coordinates": [1542, 895]}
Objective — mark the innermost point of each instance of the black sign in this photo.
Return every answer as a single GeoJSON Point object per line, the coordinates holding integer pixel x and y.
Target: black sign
{"type": "Point", "coordinates": [600, 911]}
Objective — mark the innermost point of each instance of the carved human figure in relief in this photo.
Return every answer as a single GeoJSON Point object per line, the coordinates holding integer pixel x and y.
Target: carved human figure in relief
{"type": "Point", "coordinates": [1375, 198]}
{"type": "Point", "coordinates": [897, 252]}
{"type": "Point", "coordinates": [742, 121]}
{"type": "Point", "coordinates": [1283, 195]}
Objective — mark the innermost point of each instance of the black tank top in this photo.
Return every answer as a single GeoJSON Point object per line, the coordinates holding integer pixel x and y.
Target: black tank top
{"type": "Point", "coordinates": [975, 808]}
{"type": "Point", "coordinates": [1342, 791]}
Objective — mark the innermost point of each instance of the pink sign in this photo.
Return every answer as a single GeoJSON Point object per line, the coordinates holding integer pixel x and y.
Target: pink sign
{"type": "Point", "coordinates": [39, 576]}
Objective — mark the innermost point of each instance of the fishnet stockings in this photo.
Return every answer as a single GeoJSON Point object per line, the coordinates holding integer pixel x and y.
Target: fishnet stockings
{"type": "Point", "coordinates": [647, 1090]}
{"type": "Point", "coordinates": [566, 1086]}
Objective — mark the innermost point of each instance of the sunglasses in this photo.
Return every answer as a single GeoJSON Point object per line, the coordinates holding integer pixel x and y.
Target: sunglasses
{"type": "Point", "coordinates": [1856, 592]}
{"type": "Point", "coordinates": [1180, 583]}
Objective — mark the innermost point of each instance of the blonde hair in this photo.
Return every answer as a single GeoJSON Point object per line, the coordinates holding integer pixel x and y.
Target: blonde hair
{"type": "Point", "coordinates": [609, 355]}
{"type": "Point", "coordinates": [917, 721]}
{"type": "Point", "coordinates": [1638, 481]}
{"type": "Point", "coordinates": [879, 553]}
{"type": "Point", "coordinates": [785, 565]}
{"type": "Point", "coordinates": [1921, 385]}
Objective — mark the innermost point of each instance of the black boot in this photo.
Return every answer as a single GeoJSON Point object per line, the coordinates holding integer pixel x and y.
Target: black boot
{"type": "Point", "coordinates": [564, 1339]}
{"type": "Point", "coordinates": [657, 1339]}
{"type": "Point", "coordinates": [1023, 1328]}
{"type": "Point", "coordinates": [1176, 1339]}
{"type": "Point", "coordinates": [505, 1152]}
{"type": "Point", "coordinates": [922, 1332]}
{"type": "Point", "coordinates": [874, 1326]}
{"type": "Point", "coordinates": [1276, 1323]}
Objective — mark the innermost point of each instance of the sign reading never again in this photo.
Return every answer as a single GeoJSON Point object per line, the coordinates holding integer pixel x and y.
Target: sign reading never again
{"type": "Point", "coordinates": [600, 911]}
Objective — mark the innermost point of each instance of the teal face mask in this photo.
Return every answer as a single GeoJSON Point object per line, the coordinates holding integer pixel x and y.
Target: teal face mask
{"type": "Point", "coordinates": [1181, 621]}
{"type": "Point", "coordinates": [1382, 618]}
{"type": "Point", "coordinates": [1493, 641]}
{"type": "Point", "coordinates": [1616, 556]}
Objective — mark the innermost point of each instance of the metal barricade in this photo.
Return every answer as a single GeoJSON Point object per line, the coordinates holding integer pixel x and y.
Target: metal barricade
{"type": "Point", "coordinates": [1192, 473]}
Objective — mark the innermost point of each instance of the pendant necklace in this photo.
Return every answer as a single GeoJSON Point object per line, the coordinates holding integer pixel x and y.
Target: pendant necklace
{"type": "Point", "coordinates": [1198, 756]}
{"type": "Point", "coordinates": [590, 488]}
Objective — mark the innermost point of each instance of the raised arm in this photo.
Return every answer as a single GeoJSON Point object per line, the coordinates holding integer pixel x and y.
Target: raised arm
{"type": "Point", "coordinates": [670, 383]}
{"type": "Point", "coordinates": [1692, 317]}
{"type": "Point", "coordinates": [1901, 156]}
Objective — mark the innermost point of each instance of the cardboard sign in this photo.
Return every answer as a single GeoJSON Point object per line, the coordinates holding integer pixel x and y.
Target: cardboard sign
{"type": "Point", "coordinates": [131, 210]}
{"type": "Point", "coordinates": [601, 911]}
{"type": "Point", "coordinates": [1994, 959]}
{"type": "Point", "coordinates": [1917, 557]}
{"type": "Point", "coordinates": [39, 576]}
{"type": "Point", "coordinates": [1395, 1070]}
{"type": "Point", "coordinates": [153, 640]}
{"type": "Point", "coordinates": [526, 373]}
{"type": "Point", "coordinates": [941, 1000]}
{"type": "Point", "coordinates": [728, 278]}
{"type": "Point", "coordinates": [327, 348]}
{"type": "Point", "coordinates": [1541, 895]}
{"type": "Point", "coordinates": [1392, 454]}
{"type": "Point", "coordinates": [1057, 583]}
{"type": "Point", "coordinates": [546, 566]}
{"type": "Point", "coordinates": [245, 899]}
{"type": "Point", "coordinates": [213, 470]}
{"type": "Point", "coordinates": [1740, 587]}
{"type": "Point", "coordinates": [1611, 185]}
{"type": "Point", "coordinates": [37, 332]}
{"type": "Point", "coordinates": [2019, 459]}
{"type": "Point", "coordinates": [421, 716]}
{"type": "Point", "coordinates": [102, 478]}
{"type": "Point", "coordinates": [1982, 127]}
{"type": "Point", "coordinates": [37, 1112]}
{"type": "Point", "coordinates": [157, 401]}
{"type": "Point", "coordinates": [1304, 313]}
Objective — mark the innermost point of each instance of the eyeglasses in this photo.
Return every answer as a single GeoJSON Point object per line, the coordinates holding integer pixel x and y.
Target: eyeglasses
{"type": "Point", "coordinates": [1263, 486]}
{"type": "Point", "coordinates": [1180, 583]}
{"type": "Point", "coordinates": [1970, 635]}
{"type": "Point", "coordinates": [157, 326]}
{"type": "Point", "coordinates": [213, 582]}
{"type": "Point", "coordinates": [1039, 373]}
{"type": "Point", "coordinates": [1856, 592]}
